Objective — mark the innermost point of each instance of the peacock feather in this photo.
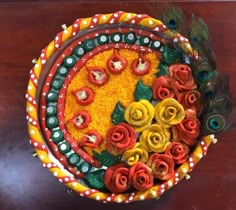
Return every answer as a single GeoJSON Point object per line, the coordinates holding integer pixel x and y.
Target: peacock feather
{"type": "Point", "coordinates": [174, 18]}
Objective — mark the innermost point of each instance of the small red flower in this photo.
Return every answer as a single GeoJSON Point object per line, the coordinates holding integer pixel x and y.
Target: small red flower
{"type": "Point", "coordinates": [91, 139]}
{"type": "Point", "coordinates": [116, 178]}
{"type": "Point", "coordinates": [119, 138]}
{"type": "Point", "coordinates": [187, 131]}
{"type": "Point", "coordinates": [162, 166]}
{"type": "Point", "coordinates": [178, 151]}
{"type": "Point", "coordinates": [81, 119]}
{"type": "Point", "coordinates": [181, 77]}
{"type": "Point", "coordinates": [116, 64]}
{"type": "Point", "coordinates": [141, 176]}
{"type": "Point", "coordinates": [97, 76]}
{"type": "Point", "coordinates": [140, 66]}
{"type": "Point", "coordinates": [84, 95]}
{"type": "Point", "coordinates": [161, 88]}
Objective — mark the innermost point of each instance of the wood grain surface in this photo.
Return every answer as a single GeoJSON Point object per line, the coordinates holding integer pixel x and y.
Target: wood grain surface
{"type": "Point", "coordinates": [26, 27]}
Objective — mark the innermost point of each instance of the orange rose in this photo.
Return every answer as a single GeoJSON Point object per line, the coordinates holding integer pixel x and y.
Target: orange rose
{"type": "Point", "coordinates": [162, 166]}
{"type": "Point", "coordinates": [141, 176]}
{"type": "Point", "coordinates": [116, 178]}
{"type": "Point", "coordinates": [190, 99]}
{"type": "Point", "coordinates": [161, 88]}
{"type": "Point", "coordinates": [187, 131]}
{"type": "Point", "coordinates": [178, 151]}
{"type": "Point", "coordinates": [181, 77]}
{"type": "Point", "coordinates": [120, 138]}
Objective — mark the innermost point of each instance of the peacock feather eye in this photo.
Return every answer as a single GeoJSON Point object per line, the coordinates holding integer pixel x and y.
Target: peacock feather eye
{"type": "Point", "coordinates": [202, 76]}
{"type": "Point", "coordinates": [215, 123]}
{"type": "Point", "coordinates": [172, 24]}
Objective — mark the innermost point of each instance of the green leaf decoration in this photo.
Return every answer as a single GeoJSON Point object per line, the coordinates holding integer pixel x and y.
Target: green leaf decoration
{"type": "Point", "coordinates": [171, 56]}
{"type": "Point", "coordinates": [163, 70]}
{"type": "Point", "coordinates": [117, 115]}
{"type": "Point", "coordinates": [142, 92]}
{"type": "Point", "coordinates": [106, 159]}
{"type": "Point", "coordinates": [96, 180]}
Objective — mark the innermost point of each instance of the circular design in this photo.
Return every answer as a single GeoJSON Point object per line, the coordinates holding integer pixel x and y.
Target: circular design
{"type": "Point", "coordinates": [84, 86]}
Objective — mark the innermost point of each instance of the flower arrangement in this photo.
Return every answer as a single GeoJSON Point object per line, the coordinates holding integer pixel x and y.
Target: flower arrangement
{"type": "Point", "coordinates": [154, 134]}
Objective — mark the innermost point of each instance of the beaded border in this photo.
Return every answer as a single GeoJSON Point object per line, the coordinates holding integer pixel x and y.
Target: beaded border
{"type": "Point", "coordinates": [36, 138]}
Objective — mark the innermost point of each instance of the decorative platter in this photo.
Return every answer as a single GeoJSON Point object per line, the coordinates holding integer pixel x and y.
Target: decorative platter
{"type": "Point", "coordinates": [121, 107]}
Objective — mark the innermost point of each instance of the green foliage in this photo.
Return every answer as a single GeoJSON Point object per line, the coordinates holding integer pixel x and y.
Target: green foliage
{"type": "Point", "coordinates": [117, 115]}
{"type": "Point", "coordinates": [96, 179]}
{"type": "Point", "coordinates": [106, 159]}
{"type": "Point", "coordinates": [142, 92]}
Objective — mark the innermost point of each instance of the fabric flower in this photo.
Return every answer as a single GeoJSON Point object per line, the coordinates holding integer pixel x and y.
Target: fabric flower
{"type": "Point", "coordinates": [141, 176]}
{"type": "Point", "coordinates": [137, 154]}
{"type": "Point", "coordinates": [169, 112]}
{"type": "Point", "coordinates": [119, 138]}
{"type": "Point", "coordinates": [161, 88]}
{"type": "Point", "coordinates": [139, 114]}
{"type": "Point", "coordinates": [190, 99]}
{"type": "Point", "coordinates": [181, 77]}
{"type": "Point", "coordinates": [178, 151]}
{"type": "Point", "coordinates": [116, 178]}
{"type": "Point", "coordinates": [155, 138]}
{"type": "Point", "coordinates": [187, 131]}
{"type": "Point", "coordinates": [162, 166]}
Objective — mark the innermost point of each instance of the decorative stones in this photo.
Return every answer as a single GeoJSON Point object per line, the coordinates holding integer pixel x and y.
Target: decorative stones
{"type": "Point", "coordinates": [56, 136]}
{"type": "Point", "coordinates": [79, 51]}
{"type": "Point", "coordinates": [69, 61]}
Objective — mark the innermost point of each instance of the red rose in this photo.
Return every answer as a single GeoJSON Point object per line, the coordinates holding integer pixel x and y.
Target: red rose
{"type": "Point", "coordinates": [178, 151]}
{"type": "Point", "coordinates": [162, 166]}
{"type": "Point", "coordinates": [181, 77]}
{"type": "Point", "coordinates": [116, 178]}
{"type": "Point", "coordinates": [190, 99]}
{"type": "Point", "coordinates": [187, 131]}
{"type": "Point", "coordinates": [119, 138]}
{"type": "Point", "coordinates": [161, 88]}
{"type": "Point", "coordinates": [141, 176]}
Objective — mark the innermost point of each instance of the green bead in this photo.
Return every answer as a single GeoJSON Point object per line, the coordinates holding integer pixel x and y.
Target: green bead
{"type": "Point", "coordinates": [52, 122]}
{"type": "Point", "coordinates": [62, 71]}
{"type": "Point", "coordinates": [52, 96]}
{"type": "Point", "coordinates": [144, 40]}
{"type": "Point", "coordinates": [64, 147]}
{"type": "Point", "coordinates": [79, 51]}
{"type": "Point", "coordinates": [156, 45]}
{"type": "Point", "coordinates": [84, 167]}
{"type": "Point", "coordinates": [56, 136]}
{"type": "Point", "coordinates": [130, 38]}
{"type": "Point", "coordinates": [56, 84]}
{"type": "Point", "coordinates": [102, 39]}
{"type": "Point", "coordinates": [69, 61]}
{"type": "Point", "coordinates": [116, 37]}
{"type": "Point", "coordinates": [51, 110]}
{"type": "Point", "coordinates": [88, 44]}
{"type": "Point", "coordinates": [73, 159]}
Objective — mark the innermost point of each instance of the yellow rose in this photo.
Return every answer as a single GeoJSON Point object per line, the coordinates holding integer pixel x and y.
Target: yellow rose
{"type": "Point", "coordinates": [155, 138]}
{"type": "Point", "coordinates": [139, 114]}
{"type": "Point", "coordinates": [137, 154]}
{"type": "Point", "coordinates": [169, 112]}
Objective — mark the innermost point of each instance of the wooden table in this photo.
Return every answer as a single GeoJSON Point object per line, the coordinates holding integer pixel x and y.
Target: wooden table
{"type": "Point", "coordinates": [25, 29]}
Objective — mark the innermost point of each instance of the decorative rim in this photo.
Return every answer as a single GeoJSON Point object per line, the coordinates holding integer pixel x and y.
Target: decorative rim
{"type": "Point", "coordinates": [37, 140]}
